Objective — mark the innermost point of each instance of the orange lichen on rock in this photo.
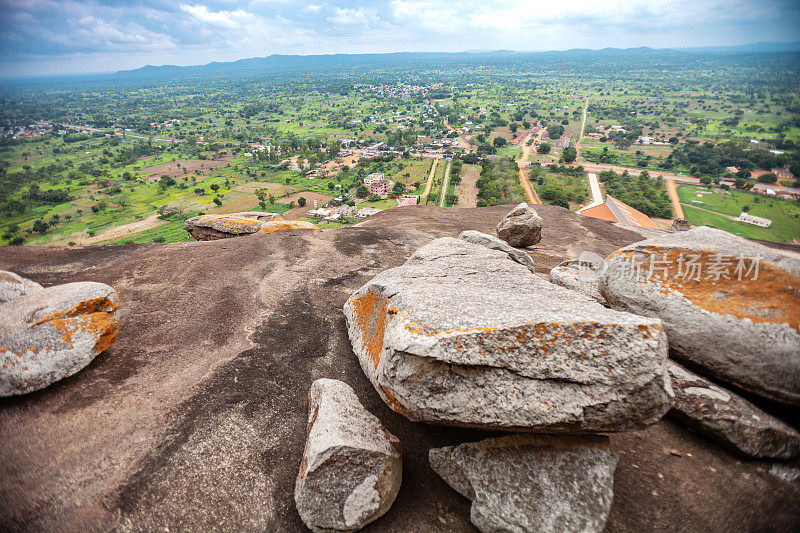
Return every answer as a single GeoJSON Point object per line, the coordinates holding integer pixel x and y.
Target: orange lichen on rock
{"type": "Point", "coordinates": [94, 316]}
{"type": "Point", "coordinates": [371, 313]}
{"type": "Point", "coordinates": [279, 225]}
{"type": "Point", "coordinates": [770, 296]}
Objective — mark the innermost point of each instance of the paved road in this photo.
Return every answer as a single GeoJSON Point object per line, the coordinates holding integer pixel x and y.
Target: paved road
{"type": "Point", "coordinates": [445, 183]}
{"type": "Point", "coordinates": [597, 196]}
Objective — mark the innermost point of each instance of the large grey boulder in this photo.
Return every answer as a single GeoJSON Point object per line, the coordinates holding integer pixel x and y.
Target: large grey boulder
{"type": "Point", "coordinates": [730, 419]}
{"type": "Point", "coordinates": [352, 467]}
{"type": "Point", "coordinates": [728, 305]}
{"type": "Point", "coordinates": [521, 227]}
{"type": "Point", "coordinates": [214, 227]}
{"type": "Point", "coordinates": [532, 482]}
{"type": "Point", "coordinates": [579, 276]}
{"type": "Point", "coordinates": [52, 333]}
{"type": "Point", "coordinates": [460, 335]}
{"type": "Point", "coordinates": [13, 286]}
{"type": "Point", "coordinates": [493, 243]}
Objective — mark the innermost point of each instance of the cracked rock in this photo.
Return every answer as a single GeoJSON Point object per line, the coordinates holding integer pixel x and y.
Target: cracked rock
{"type": "Point", "coordinates": [582, 277]}
{"type": "Point", "coordinates": [13, 286]}
{"type": "Point", "coordinates": [460, 335]}
{"type": "Point", "coordinates": [529, 482]}
{"type": "Point", "coordinates": [730, 419]}
{"type": "Point", "coordinates": [352, 467]}
{"type": "Point", "coordinates": [493, 243]}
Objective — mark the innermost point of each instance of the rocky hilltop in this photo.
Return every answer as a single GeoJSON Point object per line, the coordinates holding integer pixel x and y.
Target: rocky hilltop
{"type": "Point", "coordinates": [197, 417]}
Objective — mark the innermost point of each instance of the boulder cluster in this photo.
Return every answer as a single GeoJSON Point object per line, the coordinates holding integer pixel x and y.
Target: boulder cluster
{"type": "Point", "coordinates": [466, 333]}
{"type": "Point", "coordinates": [214, 227]}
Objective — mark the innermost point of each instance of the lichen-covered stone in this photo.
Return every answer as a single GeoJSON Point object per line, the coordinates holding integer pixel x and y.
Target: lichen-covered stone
{"type": "Point", "coordinates": [493, 243]}
{"type": "Point", "coordinates": [521, 227]}
{"type": "Point", "coordinates": [53, 333]}
{"type": "Point", "coordinates": [460, 335]}
{"type": "Point", "coordinates": [529, 482]}
{"type": "Point", "coordinates": [213, 227]}
{"type": "Point", "coordinates": [729, 305]}
{"type": "Point", "coordinates": [578, 276]}
{"type": "Point", "coordinates": [13, 286]}
{"type": "Point", "coordinates": [730, 419]}
{"type": "Point", "coordinates": [280, 225]}
{"type": "Point", "coordinates": [352, 467]}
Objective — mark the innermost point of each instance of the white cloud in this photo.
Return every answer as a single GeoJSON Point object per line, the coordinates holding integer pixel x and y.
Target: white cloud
{"type": "Point", "coordinates": [351, 16]}
{"type": "Point", "coordinates": [313, 7]}
{"type": "Point", "coordinates": [225, 19]}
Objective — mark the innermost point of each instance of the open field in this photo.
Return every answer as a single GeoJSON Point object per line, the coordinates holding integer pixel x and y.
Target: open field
{"type": "Point", "coordinates": [785, 215]}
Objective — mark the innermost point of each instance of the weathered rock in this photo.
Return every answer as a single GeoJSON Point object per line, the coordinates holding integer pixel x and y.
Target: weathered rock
{"type": "Point", "coordinates": [460, 335]}
{"type": "Point", "coordinates": [730, 419]}
{"type": "Point", "coordinates": [352, 467]}
{"type": "Point", "coordinates": [493, 243]}
{"type": "Point", "coordinates": [13, 286]}
{"type": "Point", "coordinates": [532, 482]}
{"type": "Point", "coordinates": [52, 333]}
{"type": "Point", "coordinates": [582, 277]}
{"type": "Point", "coordinates": [213, 227]}
{"type": "Point", "coordinates": [521, 227]}
{"type": "Point", "coordinates": [280, 225]}
{"type": "Point", "coordinates": [728, 305]}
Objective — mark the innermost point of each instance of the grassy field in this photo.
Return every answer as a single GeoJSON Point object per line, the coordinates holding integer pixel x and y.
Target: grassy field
{"type": "Point", "coordinates": [785, 214]}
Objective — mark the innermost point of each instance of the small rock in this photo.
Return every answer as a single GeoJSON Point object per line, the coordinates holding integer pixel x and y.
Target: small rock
{"type": "Point", "coordinates": [52, 333]}
{"type": "Point", "coordinates": [352, 467]}
{"type": "Point", "coordinates": [521, 227]}
{"type": "Point", "coordinates": [13, 286]}
{"type": "Point", "coordinates": [728, 305]}
{"type": "Point", "coordinates": [493, 243]}
{"type": "Point", "coordinates": [532, 482]}
{"type": "Point", "coordinates": [580, 277]}
{"type": "Point", "coordinates": [730, 419]}
{"type": "Point", "coordinates": [460, 335]}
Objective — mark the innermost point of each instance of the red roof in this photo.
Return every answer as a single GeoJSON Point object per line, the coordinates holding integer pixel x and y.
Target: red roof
{"type": "Point", "coordinates": [617, 211]}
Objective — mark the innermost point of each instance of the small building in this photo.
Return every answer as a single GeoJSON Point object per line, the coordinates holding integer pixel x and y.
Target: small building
{"type": "Point", "coordinates": [614, 210]}
{"type": "Point", "coordinates": [368, 211]}
{"type": "Point", "coordinates": [373, 177]}
{"type": "Point", "coordinates": [754, 220]}
{"type": "Point", "coordinates": [380, 187]}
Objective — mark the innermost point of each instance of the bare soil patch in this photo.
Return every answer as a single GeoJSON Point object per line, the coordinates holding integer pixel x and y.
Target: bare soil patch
{"type": "Point", "coordinates": [467, 190]}
{"type": "Point", "coordinates": [187, 167]}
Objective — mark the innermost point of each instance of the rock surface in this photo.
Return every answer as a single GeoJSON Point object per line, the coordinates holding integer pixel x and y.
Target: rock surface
{"type": "Point", "coordinates": [460, 335]}
{"type": "Point", "coordinates": [579, 276]}
{"type": "Point", "coordinates": [532, 482]}
{"type": "Point", "coordinates": [52, 333]}
{"type": "Point", "coordinates": [352, 467]}
{"type": "Point", "coordinates": [493, 243]}
{"type": "Point", "coordinates": [521, 227]}
{"type": "Point", "coordinates": [13, 286]}
{"type": "Point", "coordinates": [729, 305]}
{"type": "Point", "coordinates": [730, 419]}
{"type": "Point", "coordinates": [280, 225]}
{"type": "Point", "coordinates": [213, 227]}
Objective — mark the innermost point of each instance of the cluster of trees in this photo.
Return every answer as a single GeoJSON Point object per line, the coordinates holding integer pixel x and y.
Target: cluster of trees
{"type": "Point", "coordinates": [647, 195]}
{"type": "Point", "coordinates": [708, 159]}
{"type": "Point", "coordinates": [499, 182]}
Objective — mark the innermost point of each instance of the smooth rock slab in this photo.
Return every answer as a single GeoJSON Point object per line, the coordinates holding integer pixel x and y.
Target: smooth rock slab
{"type": "Point", "coordinates": [532, 482]}
{"type": "Point", "coordinates": [730, 419]}
{"type": "Point", "coordinates": [460, 335]}
{"type": "Point", "coordinates": [493, 243]}
{"type": "Point", "coordinates": [52, 333]}
{"type": "Point", "coordinates": [728, 305]}
{"type": "Point", "coordinates": [13, 286]}
{"type": "Point", "coordinates": [578, 276]}
{"type": "Point", "coordinates": [352, 467]}
{"type": "Point", "coordinates": [521, 227]}
{"type": "Point", "coordinates": [213, 227]}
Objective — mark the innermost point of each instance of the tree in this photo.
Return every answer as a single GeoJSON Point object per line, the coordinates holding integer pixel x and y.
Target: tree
{"type": "Point", "coordinates": [166, 181]}
{"type": "Point", "coordinates": [301, 201]}
{"type": "Point", "coordinates": [499, 141]}
{"type": "Point", "coordinates": [122, 202]}
{"type": "Point", "coordinates": [362, 191]}
{"type": "Point", "coordinates": [199, 190]}
{"type": "Point", "coordinates": [398, 188]}
{"type": "Point", "coordinates": [217, 200]}
{"type": "Point", "coordinates": [544, 148]}
{"type": "Point", "coordinates": [743, 174]}
{"type": "Point", "coordinates": [40, 226]}
{"type": "Point", "coordinates": [740, 183]}
{"type": "Point", "coordinates": [215, 187]}
{"type": "Point", "coordinates": [569, 154]}
{"type": "Point", "coordinates": [102, 205]}
{"type": "Point", "coordinates": [705, 180]}
{"type": "Point", "coordinates": [769, 177]}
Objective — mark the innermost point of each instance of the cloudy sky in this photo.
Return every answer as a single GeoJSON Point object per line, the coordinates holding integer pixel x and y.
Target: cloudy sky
{"type": "Point", "coordinates": [82, 36]}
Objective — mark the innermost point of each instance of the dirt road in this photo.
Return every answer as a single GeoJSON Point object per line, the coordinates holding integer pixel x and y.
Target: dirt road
{"type": "Point", "coordinates": [445, 184]}
{"type": "Point", "coordinates": [467, 189]}
{"type": "Point", "coordinates": [583, 129]}
{"type": "Point", "coordinates": [430, 180]}
{"type": "Point", "coordinates": [672, 190]}
{"type": "Point", "coordinates": [530, 194]}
